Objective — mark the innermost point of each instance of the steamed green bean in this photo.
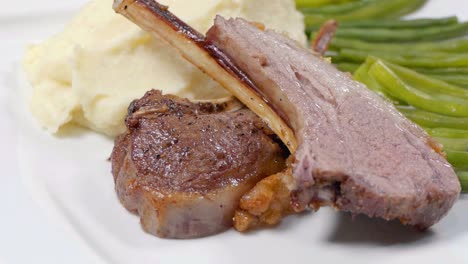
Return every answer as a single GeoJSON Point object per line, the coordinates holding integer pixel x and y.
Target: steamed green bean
{"type": "Point", "coordinates": [409, 58]}
{"type": "Point", "coordinates": [448, 132]}
{"type": "Point", "coordinates": [426, 83]}
{"type": "Point", "coordinates": [401, 24]}
{"type": "Point", "coordinates": [362, 75]}
{"type": "Point", "coordinates": [347, 67]}
{"type": "Point", "coordinates": [455, 144]}
{"type": "Point", "coordinates": [463, 177]}
{"type": "Point", "coordinates": [335, 8]}
{"type": "Point", "coordinates": [319, 3]}
{"type": "Point", "coordinates": [443, 71]}
{"type": "Point", "coordinates": [405, 35]}
{"type": "Point", "coordinates": [442, 104]}
{"type": "Point", "coordinates": [433, 120]}
{"type": "Point", "coordinates": [374, 9]}
{"type": "Point", "coordinates": [455, 46]}
{"type": "Point", "coordinates": [458, 159]}
{"type": "Point", "coordinates": [455, 79]}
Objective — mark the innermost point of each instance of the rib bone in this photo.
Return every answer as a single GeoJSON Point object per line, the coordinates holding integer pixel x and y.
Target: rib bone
{"type": "Point", "coordinates": [156, 19]}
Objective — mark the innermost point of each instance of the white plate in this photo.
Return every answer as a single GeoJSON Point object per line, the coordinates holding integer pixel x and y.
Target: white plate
{"type": "Point", "coordinates": [59, 203]}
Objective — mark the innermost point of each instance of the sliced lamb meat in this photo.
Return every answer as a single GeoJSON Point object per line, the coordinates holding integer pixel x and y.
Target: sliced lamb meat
{"type": "Point", "coordinates": [183, 166]}
{"type": "Point", "coordinates": [355, 150]}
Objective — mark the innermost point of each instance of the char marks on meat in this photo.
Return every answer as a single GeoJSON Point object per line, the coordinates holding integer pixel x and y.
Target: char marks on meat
{"type": "Point", "coordinates": [356, 151]}
{"type": "Point", "coordinates": [183, 166]}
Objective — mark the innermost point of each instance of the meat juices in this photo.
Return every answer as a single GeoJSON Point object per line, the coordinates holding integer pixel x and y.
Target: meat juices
{"type": "Point", "coordinates": [184, 166]}
{"type": "Point", "coordinates": [355, 151]}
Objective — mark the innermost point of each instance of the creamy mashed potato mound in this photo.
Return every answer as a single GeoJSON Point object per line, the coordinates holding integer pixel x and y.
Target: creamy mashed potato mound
{"type": "Point", "coordinates": [89, 73]}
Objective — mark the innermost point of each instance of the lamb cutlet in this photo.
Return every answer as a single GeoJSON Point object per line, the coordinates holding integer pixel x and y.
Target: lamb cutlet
{"type": "Point", "coordinates": [352, 150]}
{"type": "Point", "coordinates": [183, 166]}
{"type": "Point", "coordinates": [356, 152]}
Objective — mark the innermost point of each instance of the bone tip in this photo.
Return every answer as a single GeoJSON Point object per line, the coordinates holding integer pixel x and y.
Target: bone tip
{"type": "Point", "coordinates": [117, 4]}
{"type": "Point", "coordinates": [220, 19]}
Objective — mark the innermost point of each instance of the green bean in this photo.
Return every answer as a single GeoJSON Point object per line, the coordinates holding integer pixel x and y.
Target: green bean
{"type": "Point", "coordinates": [458, 159]}
{"type": "Point", "coordinates": [448, 133]}
{"type": "Point", "coordinates": [399, 24]}
{"type": "Point", "coordinates": [348, 67]}
{"type": "Point", "coordinates": [443, 71]}
{"type": "Point", "coordinates": [410, 53]}
{"type": "Point", "coordinates": [442, 104]}
{"type": "Point", "coordinates": [337, 59]}
{"type": "Point", "coordinates": [408, 58]}
{"type": "Point", "coordinates": [452, 139]}
{"type": "Point", "coordinates": [453, 76]}
{"type": "Point", "coordinates": [375, 9]}
{"type": "Point", "coordinates": [405, 35]}
{"type": "Point", "coordinates": [427, 84]}
{"type": "Point", "coordinates": [457, 45]}
{"type": "Point", "coordinates": [408, 8]}
{"type": "Point", "coordinates": [362, 75]}
{"type": "Point", "coordinates": [433, 120]}
{"type": "Point", "coordinates": [456, 144]}
{"type": "Point", "coordinates": [463, 177]}
{"type": "Point", "coordinates": [455, 79]}
{"type": "Point", "coordinates": [335, 9]}
{"type": "Point", "coordinates": [318, 3]}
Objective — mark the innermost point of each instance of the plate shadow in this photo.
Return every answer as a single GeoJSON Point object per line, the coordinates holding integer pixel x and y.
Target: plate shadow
{"type": "Point", "coordinates": [364, 230]}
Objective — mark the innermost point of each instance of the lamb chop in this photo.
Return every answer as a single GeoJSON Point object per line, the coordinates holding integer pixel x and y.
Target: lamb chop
{"type": "Point", "coordinates": [356, 152]}
{"type": "Point", "coordinates": [183, 166]}
{"type": "Point", "coordinates": [351, 149]}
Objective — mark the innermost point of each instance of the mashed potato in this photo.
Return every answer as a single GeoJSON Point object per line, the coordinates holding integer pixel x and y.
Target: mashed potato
{"type": "Point", "coordinates": [89, 73]}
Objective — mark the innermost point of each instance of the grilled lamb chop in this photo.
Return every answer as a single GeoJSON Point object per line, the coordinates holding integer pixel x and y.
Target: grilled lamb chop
{"type": "Point", "coordinates": [183, 166]}
{"type": "Point", "coordinates": [351, 149]}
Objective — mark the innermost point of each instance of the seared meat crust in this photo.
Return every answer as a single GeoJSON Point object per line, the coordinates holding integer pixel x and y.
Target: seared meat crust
{"type": "Point", "coordinates": [183, 166]}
